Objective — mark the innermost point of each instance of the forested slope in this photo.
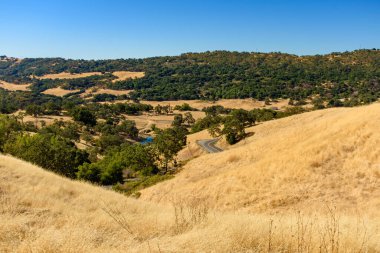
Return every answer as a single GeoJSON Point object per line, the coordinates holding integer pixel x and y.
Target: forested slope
{"type": "Point", "coordinates": [220, 74]}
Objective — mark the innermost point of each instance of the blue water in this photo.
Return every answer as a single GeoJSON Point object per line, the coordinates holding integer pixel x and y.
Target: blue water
{"type": "Point", "coordinates": [147, 140]}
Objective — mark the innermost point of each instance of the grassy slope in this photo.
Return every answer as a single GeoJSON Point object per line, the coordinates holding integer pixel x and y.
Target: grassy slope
{"type": "Point", "coordinates": [300, 162]}
{"type": "Point", "coordinates": [330, 156]}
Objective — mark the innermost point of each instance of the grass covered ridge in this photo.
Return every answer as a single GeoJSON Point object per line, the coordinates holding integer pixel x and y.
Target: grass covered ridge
{"type": "Point", "coordinates": [42, 212]}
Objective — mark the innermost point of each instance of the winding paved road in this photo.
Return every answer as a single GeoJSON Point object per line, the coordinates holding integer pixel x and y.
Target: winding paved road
{"type": "Point", "coordinates": [209, 145]}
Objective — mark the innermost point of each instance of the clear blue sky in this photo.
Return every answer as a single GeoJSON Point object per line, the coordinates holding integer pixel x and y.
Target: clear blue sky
{"type": "Point", "coordinates": [100, 29]}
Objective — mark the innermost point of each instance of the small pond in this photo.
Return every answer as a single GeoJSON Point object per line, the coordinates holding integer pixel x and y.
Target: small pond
{"type": "Point", "coordinates": [147, 140]}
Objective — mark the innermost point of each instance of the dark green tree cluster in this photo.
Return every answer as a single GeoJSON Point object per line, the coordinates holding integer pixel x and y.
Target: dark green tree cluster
{"type": "Point", "coordinates": [233, 124]}
{"type": "Point", "coordinates": [49, 151]}
{"type": "Point", "coordinates": [53, 147]}
{"type": "Point", "coordinates": [136, 159]}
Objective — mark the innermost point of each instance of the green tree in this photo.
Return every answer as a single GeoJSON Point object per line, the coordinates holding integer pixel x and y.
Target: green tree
{"type": "Point", "coordinates": [188, 119]}
{"type": "Point", "coordinates": [244, 117]}
{"type": "Point", "coordinates": [178, 120]}
{"type": "Point", "coordinates": [34, 110]}
{"type": "Point", "coordinates": [158, 109]}
{"type": "Point", "coordinates": [8, 125]}
{"type": "Point", "coordinates": [107, 141]}
{"type": "Point", "coordinates": [168, 143]}
{"type": "Point", "coordinates": [84, 116]}
{"type": "Point", "coordinates": [233, 129]}
{"type": "Point", "coordinates": [48, 151]}
{"type": "Point", "coordinates": [109, 171]}
{"type": "Point", "coordinates": [128, 128]}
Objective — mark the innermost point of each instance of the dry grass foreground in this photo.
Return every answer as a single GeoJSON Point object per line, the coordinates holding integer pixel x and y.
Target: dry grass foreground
{"type": "Point", "coordinates": [301, 162]}
{"type": "Point", "coordinates": [14, 87]}
{"type": "Point", "coordinates": [42, 212]}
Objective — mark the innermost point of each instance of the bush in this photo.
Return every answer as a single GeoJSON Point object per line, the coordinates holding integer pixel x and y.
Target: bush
{"type": "Point", "coordinates": [184, 107]}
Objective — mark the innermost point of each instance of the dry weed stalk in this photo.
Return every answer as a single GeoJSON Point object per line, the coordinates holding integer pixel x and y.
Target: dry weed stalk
{"type": "Point", "coordinates": [119, 218]}
{"type": "Point", "coordinates": [188, 213]}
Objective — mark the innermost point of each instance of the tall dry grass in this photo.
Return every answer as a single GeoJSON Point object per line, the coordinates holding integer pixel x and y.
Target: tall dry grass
{"type": "Point", "coordinates": [42, 212]}
{"type": "Point", "coordinates": [328, 157]}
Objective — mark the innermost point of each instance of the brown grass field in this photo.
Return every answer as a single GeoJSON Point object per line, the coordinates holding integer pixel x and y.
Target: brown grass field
{"type": "Point", "coordinates": [146, 120]}
{"type": "Point", "coordinates": [306, 183]}
{"type": "Point", "coordinates": [125, 75]}
{"type": "Point", "coordinates": [93, 91]}
{"type": "Point", "coordinates": [65, 75]}
{"type": "Point", "coordinates": [59, 92]}
{"type": "Point", "coordinates": [48, 119]}
{"type": "Point", "coordinates": [247, 104]}
{"type": "Point", "coordinates": [14, 87]}
{"type": "Point", "coordinates": [121, 75]}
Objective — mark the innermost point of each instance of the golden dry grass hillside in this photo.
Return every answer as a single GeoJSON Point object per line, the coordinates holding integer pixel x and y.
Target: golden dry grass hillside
{"type": "Point", "coordinates": [121, 75]}
{"type": "Point", "coordinates": [246, 104]}
{"type": "Point", "coordinates": [66, 75]}
{"type": "Point", "coordinates": [42, 212]}
{"type": "Point", "coordinates": [94, 91]}
{"type": "Point", "coordinates": [125, 75]}
{"type": "Point", "coordinates": [58, 91]}
{"type": "Point", "coordinates": [13, 87]}
{"type": "Point", "coordinates": [307, 161]}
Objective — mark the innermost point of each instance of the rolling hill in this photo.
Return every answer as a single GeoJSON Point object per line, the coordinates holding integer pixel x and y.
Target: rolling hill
{"type": "Point", "coordinates": [301, 162]}
{"type": "Point", "coordinates": [306, 183]}
{"type": "Point", "coordinates": [353, 76]}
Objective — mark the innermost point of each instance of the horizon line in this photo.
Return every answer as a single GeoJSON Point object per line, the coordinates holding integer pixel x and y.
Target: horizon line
{"type": "Point", "coordinates": [195, 52]}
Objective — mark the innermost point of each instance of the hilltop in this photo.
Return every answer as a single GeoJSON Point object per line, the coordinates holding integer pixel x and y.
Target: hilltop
{"type": "Point", "coordinates": [306, 183]}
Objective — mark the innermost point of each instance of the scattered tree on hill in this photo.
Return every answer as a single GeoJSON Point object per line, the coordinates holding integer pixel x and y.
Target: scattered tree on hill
{"type": "Point", "coordinates": [84, 116]}
{"type": "Point", "coordinates": [34, 110]}
{"type": "Point", "coordinates": [233, 130]}
{"type": "Point", "coordinates": [128, 129]}
{"type": "Point", "coordinates": [188, 119]}
{"type": "Point", "coordinates": [184, 107]}
{"type": "Point", "coordinates": [178, 120]}
{"type": "Point", "coordinates": [168, 143]}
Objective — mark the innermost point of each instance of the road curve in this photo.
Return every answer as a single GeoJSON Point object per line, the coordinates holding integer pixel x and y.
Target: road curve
{"type": "Point", "coordinates": [209, 145]}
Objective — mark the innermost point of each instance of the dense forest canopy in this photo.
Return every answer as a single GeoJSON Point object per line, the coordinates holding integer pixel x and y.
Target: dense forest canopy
{"type": "Point", "coordinates": [216, 75]}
